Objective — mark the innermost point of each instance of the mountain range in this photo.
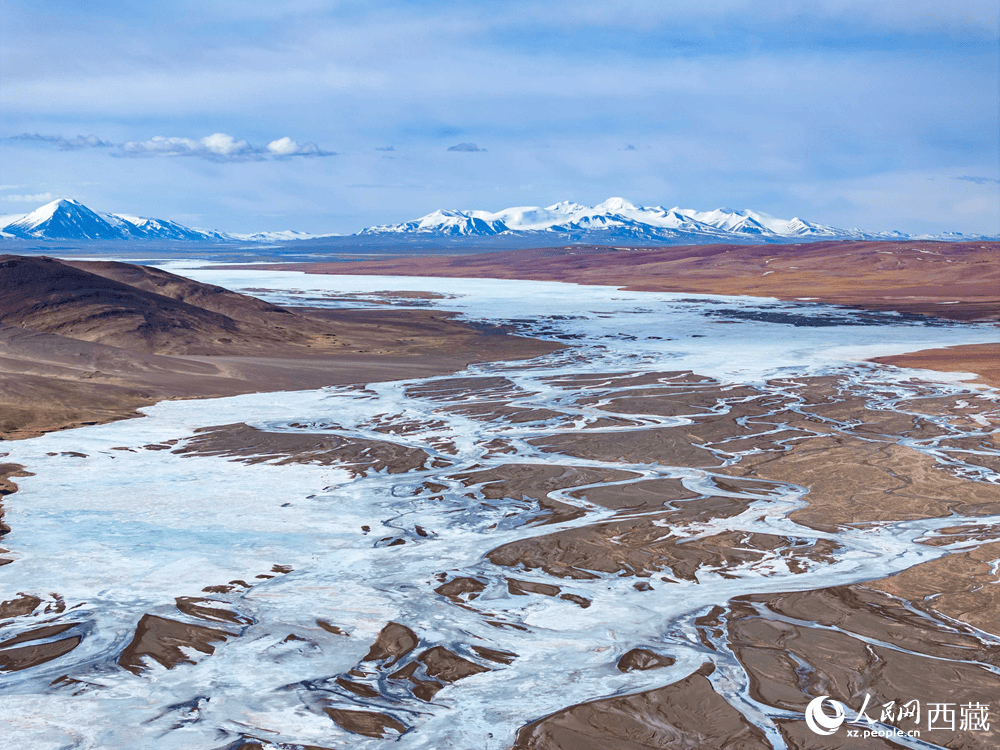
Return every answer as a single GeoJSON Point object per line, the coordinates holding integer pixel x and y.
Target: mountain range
{"type": "Point", "coordinates": [614, 220]}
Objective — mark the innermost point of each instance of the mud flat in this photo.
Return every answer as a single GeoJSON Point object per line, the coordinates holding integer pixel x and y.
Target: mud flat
{"type": "Point", "coordinates": [928, 634]}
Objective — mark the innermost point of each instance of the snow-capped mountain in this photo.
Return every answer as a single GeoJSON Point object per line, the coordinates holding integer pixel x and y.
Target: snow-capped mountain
{"type": "Point", "coordinates": [64, 219]}
{"type": "Point", "coordinates": [616, 218]}
{"type": "Point", "coordinates": [608, 223]}
{"type": "Point", "coordinates": [71, 220]}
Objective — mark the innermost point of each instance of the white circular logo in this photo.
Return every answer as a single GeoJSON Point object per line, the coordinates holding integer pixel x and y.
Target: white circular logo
{"type": "Point", "coordinates": [821, 722]}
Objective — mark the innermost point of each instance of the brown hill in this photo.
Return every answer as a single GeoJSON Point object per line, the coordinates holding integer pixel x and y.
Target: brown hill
{"type": "Point", "coordinates": [160, 313]}
{"type": "Point", "coordinates": [206, 296]}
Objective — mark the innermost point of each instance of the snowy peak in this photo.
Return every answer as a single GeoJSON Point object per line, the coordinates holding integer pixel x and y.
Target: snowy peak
{"type": "Point", "coordinates": [66, 219]}
{"type": "Point", "coordinates": [50, 210]}
{"type": "Point", "coordinates": [63, 219]}
{"type": "Point", "coordinates": [565, 207]}
{"type": "Point", "coordinates": [614, 205]}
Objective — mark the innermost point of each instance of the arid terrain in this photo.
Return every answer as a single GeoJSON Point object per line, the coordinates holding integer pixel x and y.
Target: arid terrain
{"type": "Point", "coordinates": [588, 550]}
{"type": "Point", "coordinates": [953, 280]}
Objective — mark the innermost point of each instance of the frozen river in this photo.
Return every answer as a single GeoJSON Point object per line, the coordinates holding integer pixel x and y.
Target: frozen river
{"type": "Point", "coordinates": [277, 551]}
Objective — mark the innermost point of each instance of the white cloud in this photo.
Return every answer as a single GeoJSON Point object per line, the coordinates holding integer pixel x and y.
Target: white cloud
{"type": "Point", "coordinates": [218, 147]}
{"type": "Point", "coordinates": [225, 145]}
{"type": "Point", "coordinates": [283, 147]}
{"type": "Point", "coordinates": [288, 147]}
{"type": "Point", "coordinates": [215, 147]}
{"type": "Point", "coordinates": [37, 198]}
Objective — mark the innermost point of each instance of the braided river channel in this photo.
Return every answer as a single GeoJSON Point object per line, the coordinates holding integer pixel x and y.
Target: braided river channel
{"type": "Point", "coordinates": [676, 531]}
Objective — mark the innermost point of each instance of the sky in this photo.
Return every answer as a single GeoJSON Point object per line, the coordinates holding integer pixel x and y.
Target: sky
{"type": "Point", "coordinates": [330, 116]}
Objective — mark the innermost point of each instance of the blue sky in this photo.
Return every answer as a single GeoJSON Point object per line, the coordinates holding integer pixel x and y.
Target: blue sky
{"type": "Point", "coordinates": [332, 116]}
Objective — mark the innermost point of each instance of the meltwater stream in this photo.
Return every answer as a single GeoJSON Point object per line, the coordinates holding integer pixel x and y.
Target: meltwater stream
{"type": "Point", "coordinates": [298, 562]}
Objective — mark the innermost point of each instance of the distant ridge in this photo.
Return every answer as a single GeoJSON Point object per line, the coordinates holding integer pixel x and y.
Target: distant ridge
{"type": "Point", "coordinates": [612, 221]}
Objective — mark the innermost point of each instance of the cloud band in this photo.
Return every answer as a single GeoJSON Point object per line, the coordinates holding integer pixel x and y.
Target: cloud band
{"type": "Point", "coordinates": [216, 147]}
